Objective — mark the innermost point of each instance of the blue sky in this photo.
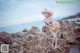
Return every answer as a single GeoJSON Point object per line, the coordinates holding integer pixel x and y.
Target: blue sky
{"type": "Point", "coordinates": [14, 12]}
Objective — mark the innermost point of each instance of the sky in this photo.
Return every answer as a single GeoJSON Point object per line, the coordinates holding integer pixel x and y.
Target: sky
{"type": "Point", "coordinates": [13, 12]}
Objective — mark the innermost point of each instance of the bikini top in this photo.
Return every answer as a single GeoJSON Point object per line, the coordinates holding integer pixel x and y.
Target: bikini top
{"type": "Point", "coordinates": [48, 23]}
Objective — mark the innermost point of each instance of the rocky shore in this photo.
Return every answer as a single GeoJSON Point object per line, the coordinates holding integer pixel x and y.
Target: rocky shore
{"type": "Point", "coordinates": [37, 41]}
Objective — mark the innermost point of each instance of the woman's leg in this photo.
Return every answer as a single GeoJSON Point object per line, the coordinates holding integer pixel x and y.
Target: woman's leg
{"type": "Point", "coordinates": [56, 45]}
{"type": "Point", "coordinates": [54, 40]}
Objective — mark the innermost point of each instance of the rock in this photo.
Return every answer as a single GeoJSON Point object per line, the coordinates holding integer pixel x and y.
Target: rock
{"type": "Point", "coordinates": [78, 38]}
{"type": "Point", "coordinates": [30, 37]}
{"type": "Point", "coordinates": [22, 34]}
{"type": "Point", "coordinates": [25, 30]}
{"type": "Point", "coordinates": [14, 44]}
{"type": "Point", "coordinates": [6, 38]}
{"type": "Point", "coordinates": [34, 30]}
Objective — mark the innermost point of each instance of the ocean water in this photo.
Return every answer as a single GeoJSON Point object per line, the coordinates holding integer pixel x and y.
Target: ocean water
{"type": "Point", "coordinates": [20, 27]}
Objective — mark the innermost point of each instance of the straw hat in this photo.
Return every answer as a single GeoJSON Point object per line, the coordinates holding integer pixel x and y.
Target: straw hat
{"type": "Point", "coordinates": [47, 11]}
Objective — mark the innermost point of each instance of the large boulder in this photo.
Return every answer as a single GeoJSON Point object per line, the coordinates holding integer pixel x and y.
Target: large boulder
{"type": "Point", "coordinates": [6, 38]}
{"type": "Point", "coordinates": [34, 30]}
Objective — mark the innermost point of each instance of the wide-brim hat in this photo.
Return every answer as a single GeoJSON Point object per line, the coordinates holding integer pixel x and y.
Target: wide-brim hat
{"type": "Point", "coordinates": [47, 11]}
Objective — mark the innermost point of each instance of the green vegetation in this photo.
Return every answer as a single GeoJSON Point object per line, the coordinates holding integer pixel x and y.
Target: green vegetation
{"type": "Point", "coordinates": [67, 2]}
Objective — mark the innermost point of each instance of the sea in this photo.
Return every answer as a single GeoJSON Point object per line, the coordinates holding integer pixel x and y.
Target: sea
{"type": "Point", "coordinates": [20, 27]}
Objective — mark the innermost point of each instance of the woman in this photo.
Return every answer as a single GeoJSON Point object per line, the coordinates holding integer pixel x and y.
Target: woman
{"type": "Point", "coordinates": [53, 27]}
